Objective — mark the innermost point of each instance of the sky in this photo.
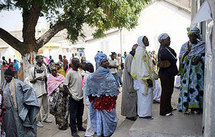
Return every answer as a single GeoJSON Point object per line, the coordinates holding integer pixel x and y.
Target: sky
{"type": "Point", "coordinates": [10, 20]}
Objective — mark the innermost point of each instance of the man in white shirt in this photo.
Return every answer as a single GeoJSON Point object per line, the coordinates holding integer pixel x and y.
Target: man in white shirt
{"type": "Point", "coordinates": [38, 78]}
{"type": "Point", "coordinates": [89, 131]}
{"type": "Point", "coordinates": [73, 87]}
{"type": "Point", "coordinates": [113, 65]}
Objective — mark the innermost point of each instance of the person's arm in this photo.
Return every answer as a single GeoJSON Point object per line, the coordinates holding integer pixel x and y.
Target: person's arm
{"type": "Point", "coordinates": [66, 83]}
{"type": "Point", "coordinates": [32, 78]}
{"type": "Point", "coordinates": [66, 90]}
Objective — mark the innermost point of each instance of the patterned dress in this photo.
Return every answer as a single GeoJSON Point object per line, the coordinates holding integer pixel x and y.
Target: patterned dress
{"type": "Point", "coordinates": [59, 107]}
{"type": "Point", "coordinates": [192, 81]}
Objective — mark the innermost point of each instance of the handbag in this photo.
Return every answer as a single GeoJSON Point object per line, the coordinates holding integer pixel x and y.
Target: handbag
{"type": "Point", "coordinates": [163, 64]}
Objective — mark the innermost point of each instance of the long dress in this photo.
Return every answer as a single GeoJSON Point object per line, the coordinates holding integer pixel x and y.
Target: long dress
{"type": "Point", "coordinates": [192, 78]}
{"type": "Point", "coordinates": [102, 90]}
{"type": "Point", "coordinates": [142, 70]}
{"type": "Point", "coordinates": [59, 105]}
{"type": "Point", "coordinates": [129, 95]}
{"type": "Point", "coordinates": [20, 122]}
{"type": "Point", "coordinates": [157, 91]}
{"type": "Point", "coordinates": [144, 107]}
{"type": "Point", "coordinates": [58, 100]}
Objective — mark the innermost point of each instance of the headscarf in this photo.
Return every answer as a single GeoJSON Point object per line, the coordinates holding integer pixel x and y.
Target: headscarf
{"type": "Point", "coordinates": [9, 72]}
{"type": "Point", "coordinates": [101, 82]}
{"type": "Point", "coordinates": [54, 82]}
{"type": "Point", "coordinates": [140, 41]}
{"type": "Point", "coordinates": [53, 66]}
{"type": "Point", "coordinates": [196, 49]}
{"type": "Point", "coordinates": [100, 57]}
{"type": "Point", "coordinates": [16, 66]}
{"type": "Point", "coordinates": [195, 31]}
{"type": "Point", "coordinates": [162, 37]}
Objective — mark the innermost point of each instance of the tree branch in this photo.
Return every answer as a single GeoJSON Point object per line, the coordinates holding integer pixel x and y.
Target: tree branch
{"type": "Point", "coordinates": [11, 40]}
{"type": "Point", "coordinates": [51, 32]}
{"type": "Point", "coordinates": [30, 18]}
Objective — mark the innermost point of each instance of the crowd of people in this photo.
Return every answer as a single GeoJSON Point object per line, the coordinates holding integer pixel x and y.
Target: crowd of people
{"type": "Point", "coordinates": [65, 88]}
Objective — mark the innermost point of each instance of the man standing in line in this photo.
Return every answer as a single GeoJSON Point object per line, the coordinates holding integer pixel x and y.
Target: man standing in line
{"type": "Point", "coordinates": [119, 71]}
{"type": "Point", "coordinates": [38, 78]}
{"type": "Point", "coordinates": [113, 65]}
{"type": "Point", "coordinates": [73, 87]}
{"type": "Point", "coordinates": [19, 108]}
{"type": "Point", "coordinates": [129, 95]}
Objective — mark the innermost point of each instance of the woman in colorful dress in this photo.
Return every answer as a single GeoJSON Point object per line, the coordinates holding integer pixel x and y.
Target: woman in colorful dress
{"type": "Point", "coordinates": [192, 57]}
{"type": "Point", "coordinates": [58, 99]}
{"type": "Point", "coordinates": [102, 90]}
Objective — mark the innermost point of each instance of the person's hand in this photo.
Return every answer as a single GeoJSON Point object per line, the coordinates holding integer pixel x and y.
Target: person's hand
{"type": "Point", "coordinates": [196, 61]}
{"type": "Point", "coordinates": [150, 83]}
{"type": "Point", "coordinates": [145, 93]}
{"type": "Point", "coordinates": [41, 78]}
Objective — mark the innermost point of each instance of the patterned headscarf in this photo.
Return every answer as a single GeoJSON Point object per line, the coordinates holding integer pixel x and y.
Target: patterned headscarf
{"type": "Point", "coordinates": [195, 31]}
{"type": "Point", "coordinates": [53, 66]}
{"type": "Point", "coordinates": [100, 57]}
{"type": "Point", "coordinates": [162, 37]}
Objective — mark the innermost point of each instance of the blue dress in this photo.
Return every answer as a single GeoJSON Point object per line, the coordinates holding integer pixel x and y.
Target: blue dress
{"type": "Point", "coordinates": [192, 82]}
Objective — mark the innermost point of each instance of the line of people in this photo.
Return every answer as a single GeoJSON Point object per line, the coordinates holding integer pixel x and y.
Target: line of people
{"type": "Point", "coordinates": [140, 78]}
{"type": "Point", "coordinates": [52, 89]}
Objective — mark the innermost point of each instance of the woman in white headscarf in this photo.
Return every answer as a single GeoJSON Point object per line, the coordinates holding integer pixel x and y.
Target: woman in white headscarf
{"type": "Point", "coordinates": [143, 75]}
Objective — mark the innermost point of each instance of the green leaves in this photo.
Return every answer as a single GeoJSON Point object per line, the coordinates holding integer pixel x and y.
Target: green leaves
{"type": "Point", "coordinates": [100, 14]}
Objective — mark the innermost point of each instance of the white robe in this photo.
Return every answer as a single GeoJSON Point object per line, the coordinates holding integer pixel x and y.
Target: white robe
{"type": "Point", "coordinates": [144, 105]}
{"type": "Point", "coordinates": [89, 130]}
{"type": "Point", "coordinates": [177, 82]}
{"type": "Point", "coordinates": [157, 91]}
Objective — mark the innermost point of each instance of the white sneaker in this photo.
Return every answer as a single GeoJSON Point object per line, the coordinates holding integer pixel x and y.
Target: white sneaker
{"type": "Point", "coordinates": [39, 124]}
{"type": "Point", "coordinates": [48, 121]}
{"type": "Point", "coordinates": [169, 114]}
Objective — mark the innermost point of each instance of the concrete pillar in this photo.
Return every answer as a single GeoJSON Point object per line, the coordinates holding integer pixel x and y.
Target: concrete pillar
{"type": "Point", "coordinates": [194, 8]}
{"type": "Point", "coordinates": [209, 93]}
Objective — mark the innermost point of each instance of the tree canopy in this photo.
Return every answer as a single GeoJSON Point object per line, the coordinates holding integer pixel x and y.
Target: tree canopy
{"type": "Point", "coordinates": [71, 15]}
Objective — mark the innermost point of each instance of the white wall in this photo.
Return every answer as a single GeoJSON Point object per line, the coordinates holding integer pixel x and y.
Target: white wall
{"type": "Point", "coordinates": [108, 44]}
{"type": "Point", "coordinates": [155, 19]}
{"type": "Point", "coordinates": [160, 17]}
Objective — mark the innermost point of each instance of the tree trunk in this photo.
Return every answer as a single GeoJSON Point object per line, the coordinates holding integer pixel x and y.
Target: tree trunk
{"type": "Point", "coordinates": [28, 59]}
{"type": "Point", "coordinates": [28, 63]}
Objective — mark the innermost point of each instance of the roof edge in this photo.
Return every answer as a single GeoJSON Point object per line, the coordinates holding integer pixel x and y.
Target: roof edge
{"type": "Point", "coordinates": [177, 5]}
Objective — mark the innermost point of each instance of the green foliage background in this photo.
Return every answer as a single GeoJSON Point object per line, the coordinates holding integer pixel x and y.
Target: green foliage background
{"type": "Point", "coordinates": [100, 14]}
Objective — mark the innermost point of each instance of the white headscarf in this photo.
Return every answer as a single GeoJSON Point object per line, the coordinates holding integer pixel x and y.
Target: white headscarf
{"type": "Point", "coordinates": [140, 41]}
{"type": "Point", "coordinates": [162, 37]}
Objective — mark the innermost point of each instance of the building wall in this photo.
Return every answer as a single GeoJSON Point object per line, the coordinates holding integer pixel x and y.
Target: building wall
{"type": "Point", "coordinates": [209, 101]}
{"type": "Point", "coordinates": [108, 44]}
{"type": "Point", "coordinates": [155, 19]}
{"type": "Point", "coordinates": [160, 17]}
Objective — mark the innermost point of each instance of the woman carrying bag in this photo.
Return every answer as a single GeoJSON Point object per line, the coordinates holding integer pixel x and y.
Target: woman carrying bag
{"type": "Point", "coordinates": [168, 69]}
